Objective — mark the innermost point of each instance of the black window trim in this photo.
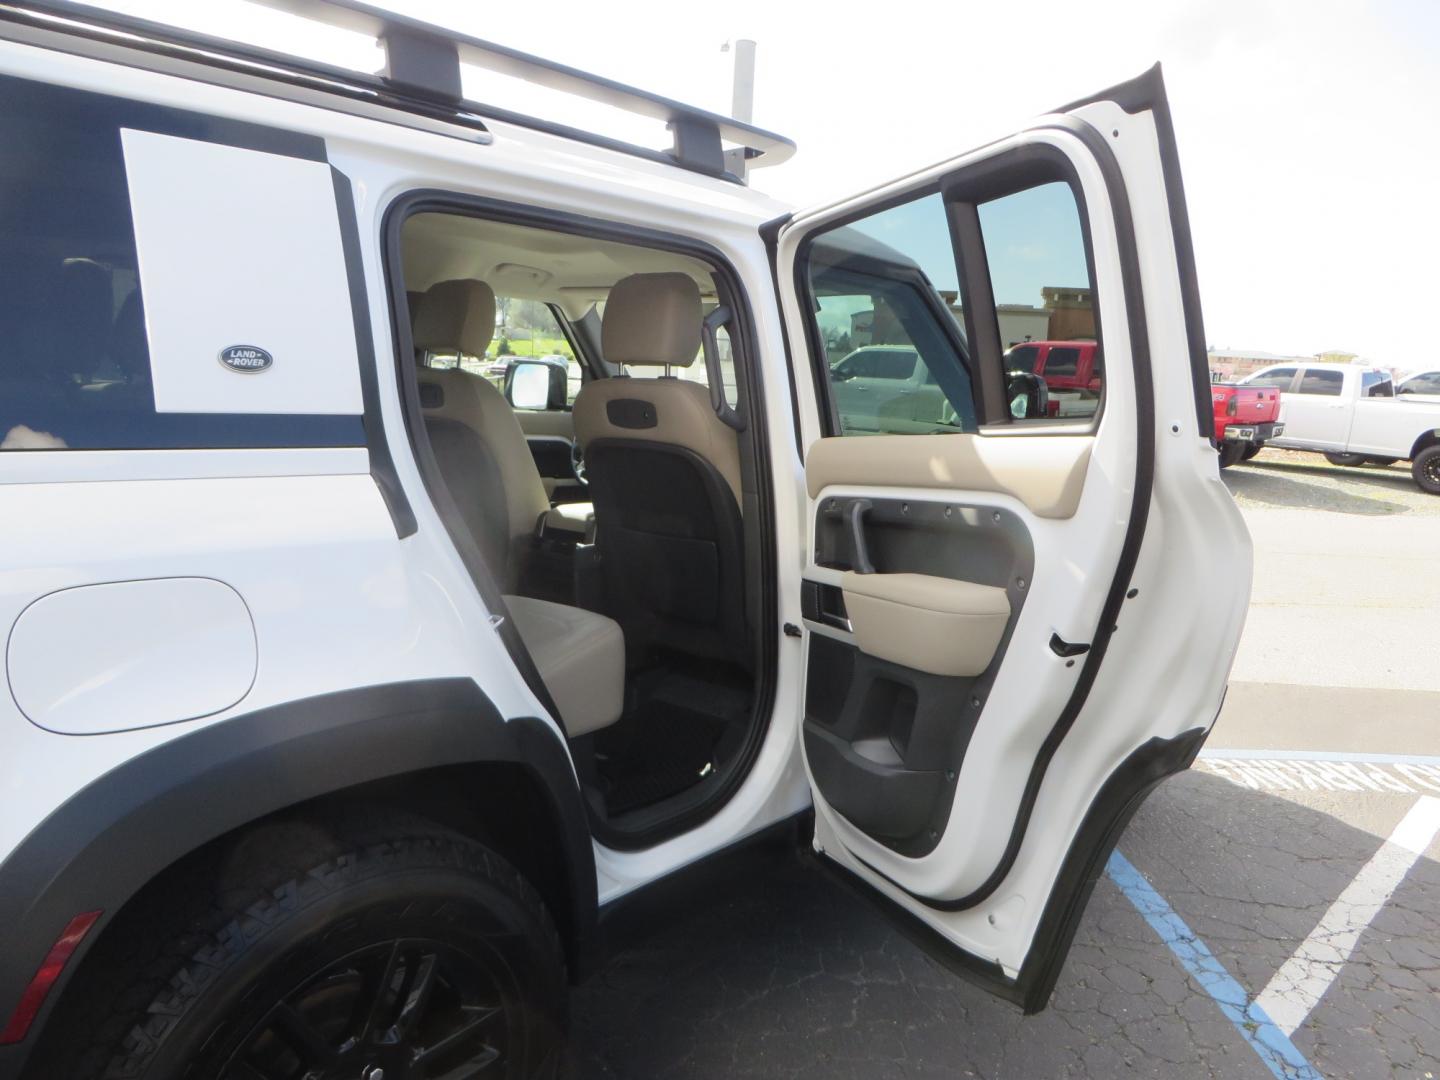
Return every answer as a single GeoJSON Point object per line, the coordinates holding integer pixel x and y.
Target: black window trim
{"type": "Point", "coordinates": [1006, 173]}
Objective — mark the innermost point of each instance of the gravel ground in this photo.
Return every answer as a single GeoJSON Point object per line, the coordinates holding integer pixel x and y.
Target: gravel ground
{"type": "Point", "coordinates": [1305, 481]}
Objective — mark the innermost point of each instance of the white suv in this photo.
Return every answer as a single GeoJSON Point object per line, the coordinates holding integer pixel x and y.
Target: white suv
{"type": "Point", "coordinates": [343, 693]}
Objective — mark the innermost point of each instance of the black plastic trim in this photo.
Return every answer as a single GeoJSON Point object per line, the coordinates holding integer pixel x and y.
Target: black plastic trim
{"type": "Point", "coordinates": [112, 837]}
{"type": "Point", "coordinates": [382, 464]}
{"type": "Point", "coordinates": [1105, 822]}
{"type": "Point", "coordinates": [1146, 93]}
{"type": "Point", "coordinates": [432, 200]}
{"type": "Point", "coordinates": [770, 236]}
{"type": "Point", "coordinates": [1100, 830]}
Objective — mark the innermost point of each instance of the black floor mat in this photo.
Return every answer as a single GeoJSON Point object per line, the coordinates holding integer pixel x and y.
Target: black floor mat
{"type": "Point", "coordinates": [668, 738]}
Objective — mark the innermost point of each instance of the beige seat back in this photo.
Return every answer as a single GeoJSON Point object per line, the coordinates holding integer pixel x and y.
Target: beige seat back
{"type": "Point", "coordinates": [664, 473]}
{"type": "Point", "coordinates": [477, 441]}
{"type": "Point", "coordinates": [653, 321]}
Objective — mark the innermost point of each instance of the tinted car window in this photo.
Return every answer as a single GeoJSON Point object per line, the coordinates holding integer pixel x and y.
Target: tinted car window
{"type": "Point", "coordinates": [1376, 384]}
{"type": "Point", "coordinates": [1321, 382]}
{"type": "Point", "coordinates": [879, 290]}
{"type": "Point", "coordinates": [75, 367]}
{"type": "Point", "coordinates": [1428, 383]}
{"type": "Point", "coordinates": [1279, 379]}
{"type": "Point", "coordinates": [1021, 358]}
{"type": "Point", "coordinates": [1062, 360]}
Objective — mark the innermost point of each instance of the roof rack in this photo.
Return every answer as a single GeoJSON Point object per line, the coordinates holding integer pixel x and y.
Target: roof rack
{"type": "Point", "coordinates": [422, 76]}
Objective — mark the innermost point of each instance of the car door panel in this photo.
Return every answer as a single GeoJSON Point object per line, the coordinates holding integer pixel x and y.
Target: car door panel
{"type": "Point", "coordinates": [978, 808]}
{"type": "Point", "coordinates": [1046, 475]}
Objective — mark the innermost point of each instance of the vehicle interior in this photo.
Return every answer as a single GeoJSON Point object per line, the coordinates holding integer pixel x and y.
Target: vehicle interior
{"type": "Point", "coordinates": [587, 412]}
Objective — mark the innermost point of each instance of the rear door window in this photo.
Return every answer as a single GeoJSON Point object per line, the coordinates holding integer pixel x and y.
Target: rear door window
{"type": "Point", "coordinates": [1321, 382]}
{"type": "Point", "coordinates": [1279, 379]}
{"type": "Point", "coordinates": [168, 280]}
{"type": "Point", "coordinates": [1376, 384]}
{"type": "Point", "coordinates": [1062, 360]}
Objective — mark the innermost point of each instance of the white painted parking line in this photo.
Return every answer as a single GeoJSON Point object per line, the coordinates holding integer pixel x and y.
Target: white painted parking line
{"type": "Point", "coordinates": [1356, 773]}
{"type": "Point", "coordinates": [1302, 980]}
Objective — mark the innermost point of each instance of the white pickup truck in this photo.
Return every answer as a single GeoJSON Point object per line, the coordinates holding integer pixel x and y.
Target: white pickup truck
{"type": "Point", "coordinates": [1349, 413]}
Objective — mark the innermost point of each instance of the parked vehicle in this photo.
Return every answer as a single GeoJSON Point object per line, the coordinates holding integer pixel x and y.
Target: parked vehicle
{"type": "Point", "coordinates": [1349, 413]}
{"type": "Point", "coordinates": [1421, 384]}
{"type": "Point", "coordinates": [1246, 417]}
{"type": "Point", "coordinates": [328, 735]}
{"type": "Point", "coordinates": [884, 385]}
{"type": "Point", "coordinates": [1074, 373]}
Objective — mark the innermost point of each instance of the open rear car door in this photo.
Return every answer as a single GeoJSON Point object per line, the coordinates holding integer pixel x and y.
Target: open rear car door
{"type": "Point", "coordinates": [1021, 598]}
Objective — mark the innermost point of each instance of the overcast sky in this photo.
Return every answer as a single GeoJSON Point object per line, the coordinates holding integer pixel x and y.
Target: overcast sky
{"type": "Point", "coordinates": [1307, 130]}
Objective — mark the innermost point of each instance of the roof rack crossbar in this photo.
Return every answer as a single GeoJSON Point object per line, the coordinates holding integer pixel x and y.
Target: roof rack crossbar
{"type": "Point", "coordinates": [422, 75]}
{"type": "Point", "coordinates": [426, 58]}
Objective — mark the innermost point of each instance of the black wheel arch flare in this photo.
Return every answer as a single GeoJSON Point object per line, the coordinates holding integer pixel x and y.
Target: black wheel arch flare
{"type": "Point", "coordinates": [112, 837]}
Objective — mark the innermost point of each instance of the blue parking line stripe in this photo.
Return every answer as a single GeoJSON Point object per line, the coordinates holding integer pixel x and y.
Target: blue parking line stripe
{"type": "Point", "coordinates": [1271, 1044]}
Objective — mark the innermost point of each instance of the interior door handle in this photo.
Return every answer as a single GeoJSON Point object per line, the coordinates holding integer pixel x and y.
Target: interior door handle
{"type": "Point", "coordinates": [855, 514]}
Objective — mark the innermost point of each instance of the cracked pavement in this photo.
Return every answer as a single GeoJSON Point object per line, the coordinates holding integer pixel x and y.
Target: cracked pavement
{"type": "Point", "coordinates": [754, 965]}
{"type": "Point", "coordinates": [760, 967]}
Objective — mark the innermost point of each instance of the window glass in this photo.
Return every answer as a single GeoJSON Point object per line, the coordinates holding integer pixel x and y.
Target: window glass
{"type": "Point", "coordinates": [523, 328]}
{"type": "Point", "coordinates": [1376, 384]}
{"type": "Point", "coordinates": [885, 297]}
{"type": "Point", "coordinates": [1040, 278]}
{"type": "Point", "coordinates": [1428, 383]}
{"type": "Point", "coordinates": [1322, 382]}
{"type": "Point", "coordinates": [75, 363]}
{"type": "Point", "coordinates": [1061, 360]}
{"type": "Point", "coordinates": [1279, 379]}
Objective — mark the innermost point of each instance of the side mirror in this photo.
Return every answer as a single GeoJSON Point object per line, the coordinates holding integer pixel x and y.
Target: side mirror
{"type": "Point", "coordinates": [1027, 395]}
{"type": "Point", "coordinates": [536, 384]}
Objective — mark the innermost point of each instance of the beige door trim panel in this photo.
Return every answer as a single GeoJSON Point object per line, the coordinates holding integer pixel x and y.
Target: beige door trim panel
{"type": "Point", "coordinates": [932, 624]}
{"type": "Point", "coordinates": [1045, 472]}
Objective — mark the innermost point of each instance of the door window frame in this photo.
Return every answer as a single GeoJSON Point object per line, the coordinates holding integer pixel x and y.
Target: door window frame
{"type": "Point", "coordinates": [979, 348]}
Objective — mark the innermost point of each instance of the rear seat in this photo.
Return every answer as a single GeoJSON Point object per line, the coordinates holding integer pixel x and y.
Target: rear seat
{"type": "Point", "coordinates": [581, 657]}
{"type": "Point", "coordinates": [492, 477]}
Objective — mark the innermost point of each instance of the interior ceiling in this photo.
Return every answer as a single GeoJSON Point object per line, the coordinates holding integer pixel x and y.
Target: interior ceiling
{"type": "Point", "coordinates": [573, 272]}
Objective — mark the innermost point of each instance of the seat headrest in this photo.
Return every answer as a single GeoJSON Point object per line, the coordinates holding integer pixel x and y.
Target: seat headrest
{"type": "Point", "coordinates": [652, 320]}
{"type": "Point", "coordinates": [455, 316]}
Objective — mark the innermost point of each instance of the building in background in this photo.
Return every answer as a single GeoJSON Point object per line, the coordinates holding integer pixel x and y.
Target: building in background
{"type": "Point", "coordinates": [1066, 314]}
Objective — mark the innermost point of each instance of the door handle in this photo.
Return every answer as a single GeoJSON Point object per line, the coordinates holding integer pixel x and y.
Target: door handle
{"type": "Point", "coordinates": [855, 516]}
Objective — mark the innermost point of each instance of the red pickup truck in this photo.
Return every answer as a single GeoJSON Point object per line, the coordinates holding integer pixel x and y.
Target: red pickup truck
{"type": "Point", "coordinates": [1245, 417]}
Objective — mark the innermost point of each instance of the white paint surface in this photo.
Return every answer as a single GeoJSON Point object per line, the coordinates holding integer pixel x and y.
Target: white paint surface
{"type": "Point", "coordinates": [1301, 982]}
{"type": "Point", "coordinates": [131, 654]}
{"type": "Point", "coordinates": [239, 247]}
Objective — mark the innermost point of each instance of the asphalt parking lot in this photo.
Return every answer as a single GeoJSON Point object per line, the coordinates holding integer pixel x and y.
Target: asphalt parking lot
{"type": "Point", "coordinates": [1273, 912]}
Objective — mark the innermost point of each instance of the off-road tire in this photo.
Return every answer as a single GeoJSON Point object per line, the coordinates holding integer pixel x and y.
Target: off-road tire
{"type": "Point", "coordinates": [1425, 468]}
{"type": "Point", "coordinates": [178, 986]}
{"type": "Point", "coordinates": [1251, 449]}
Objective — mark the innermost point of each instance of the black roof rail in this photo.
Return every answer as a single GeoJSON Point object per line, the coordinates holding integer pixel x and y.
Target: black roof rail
{"type": "Point", "coordinates": [422, 76]}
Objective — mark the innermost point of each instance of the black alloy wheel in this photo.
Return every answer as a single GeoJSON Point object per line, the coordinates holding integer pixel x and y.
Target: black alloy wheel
{"type": "Point", "coordinates": [322, 950]}
{"type": "Point", "coordinates": [408, 1009]}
